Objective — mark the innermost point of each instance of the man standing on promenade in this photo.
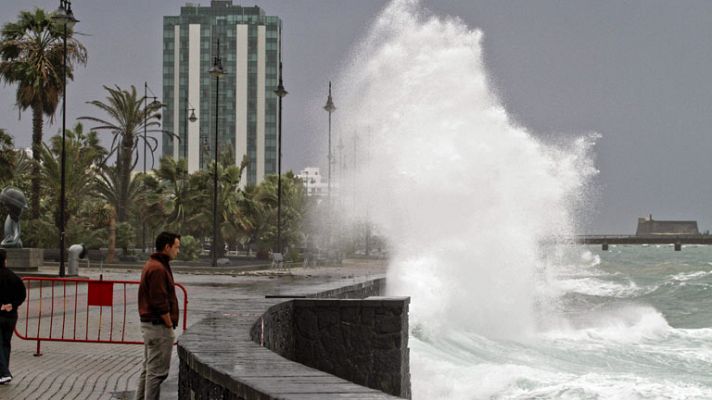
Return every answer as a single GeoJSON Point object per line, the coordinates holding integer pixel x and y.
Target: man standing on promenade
{"type": "Point", "coordinates": [12, 294]}
{"type": "Point", "coordinates": [158, 308]}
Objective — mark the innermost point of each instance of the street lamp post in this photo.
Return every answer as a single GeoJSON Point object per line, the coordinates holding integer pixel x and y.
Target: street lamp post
{"type": "Point", "coordinates": [216, 71]}
{"type": "Point", "coordinates": [64, 16]}
{"type": "Point", "coordinates": [280, 92]}
{"type": "Point", "coordinates": [330, 108]}
{"type": "Point", "coordinates": [155, 104]}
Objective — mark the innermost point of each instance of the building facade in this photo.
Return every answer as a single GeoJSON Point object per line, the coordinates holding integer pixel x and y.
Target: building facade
{"type": "Point", "coordinates": [246, 105]}
{"type": "Point", "coordinates": [649, 226]}
{"type": "Point", "coordinates": [313, 183]}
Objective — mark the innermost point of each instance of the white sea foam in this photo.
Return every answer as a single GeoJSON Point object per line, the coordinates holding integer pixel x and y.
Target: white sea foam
{"type": "Point", "coordinates": [563, 367]}
{"type": "Point", "coordinates": [590, 259]}
{"type": "Point", "coordinates": [603, 288]}
{"type": "Point", "coordinates": [687, 276]}
{"type": "Point", "coordinates": [628, 324]}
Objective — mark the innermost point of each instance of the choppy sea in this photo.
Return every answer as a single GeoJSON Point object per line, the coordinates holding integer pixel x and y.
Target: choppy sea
{"type": "Point", "coordinates": [634, 322]}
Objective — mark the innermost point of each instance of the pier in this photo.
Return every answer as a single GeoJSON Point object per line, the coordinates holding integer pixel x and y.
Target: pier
{"type": "Point", "coordinates": [676, 240]}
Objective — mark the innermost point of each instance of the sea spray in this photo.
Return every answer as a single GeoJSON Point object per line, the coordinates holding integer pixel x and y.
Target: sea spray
{"type": "Point", "coordinates": [464, 195]}
{"type": "Point", "coordinates": [470, 203]}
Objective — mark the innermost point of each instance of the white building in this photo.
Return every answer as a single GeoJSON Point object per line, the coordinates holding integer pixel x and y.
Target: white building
{"type": "Point", "coordinates": [313, 183]}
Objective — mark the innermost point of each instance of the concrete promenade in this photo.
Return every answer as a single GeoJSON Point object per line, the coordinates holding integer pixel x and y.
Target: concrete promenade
{"type": "Point", "coordinates": [110, 371]}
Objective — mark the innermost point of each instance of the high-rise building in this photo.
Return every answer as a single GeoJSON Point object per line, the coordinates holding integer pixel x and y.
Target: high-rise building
{"type": "Point", "coordinates": [248, 107]}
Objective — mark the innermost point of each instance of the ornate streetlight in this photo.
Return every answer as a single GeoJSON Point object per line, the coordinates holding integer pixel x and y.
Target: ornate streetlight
{"type": "Point", "coordinates": [155, 104]}
{"type": "Point", "coordinates": [330, 108]}
{"type": "Point", "coordinates": [280, 92]}
{"type": "Point", "coordinates": [65, 17]}
{"type": "Point", "coordinates": [216, 71]}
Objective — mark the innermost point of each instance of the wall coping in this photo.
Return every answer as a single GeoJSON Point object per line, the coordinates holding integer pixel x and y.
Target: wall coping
{"type": "Point", "coordinates": [219, 348]}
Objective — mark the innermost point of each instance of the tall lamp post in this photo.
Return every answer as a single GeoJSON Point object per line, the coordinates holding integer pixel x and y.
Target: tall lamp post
{"type": "Point", "coordinates": [216, 71]}
{"type": "Point", "coordinates": [65, 17]}
{"type": "Point", "coordinates": [280, 92]}
{"type": "Point", "coordinates": [154, 104]}
{"type": "Point", "coordinates": [330, 108]}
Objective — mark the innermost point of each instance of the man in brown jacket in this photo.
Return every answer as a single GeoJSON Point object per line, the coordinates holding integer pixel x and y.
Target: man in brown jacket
{"type": "Point", "coordinates": [158, 308]}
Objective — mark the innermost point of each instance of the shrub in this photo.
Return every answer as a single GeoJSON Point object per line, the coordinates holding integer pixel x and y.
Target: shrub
{"type": "Point", "coordinates": [189, 248]}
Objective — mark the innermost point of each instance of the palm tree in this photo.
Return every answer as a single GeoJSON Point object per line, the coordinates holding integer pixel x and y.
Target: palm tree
{"type": "Point", "coordinates": [151, 206]}
{"type": "Point", "coordinates": [128, 117]}
{"type": "Point", "coordinates": [293, 210]}
{"type": "Point", "coordinates": [32, 54]}
{"type": "Point", "coordinates": [231, 213]}
{"type": "Point", "coordinates": [84, 154]}
{"type": "Point", "coordinates": [175, 186]}
{"type": "Point", "coordinates": [107, 188]}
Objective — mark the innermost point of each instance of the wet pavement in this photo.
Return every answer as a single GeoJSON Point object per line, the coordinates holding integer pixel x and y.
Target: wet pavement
{"type": "Point", "coordinates": [110, 371]}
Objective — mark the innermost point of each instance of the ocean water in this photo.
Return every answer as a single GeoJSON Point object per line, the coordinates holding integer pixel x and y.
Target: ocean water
{"type": "Point", "coordinates": [468, 198]}
{"type": "Point", "coordinates": [631, 323]}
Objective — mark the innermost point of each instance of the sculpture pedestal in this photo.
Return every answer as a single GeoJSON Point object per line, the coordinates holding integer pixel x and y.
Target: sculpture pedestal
{"type": "Point", "coordinates": [25, 260]}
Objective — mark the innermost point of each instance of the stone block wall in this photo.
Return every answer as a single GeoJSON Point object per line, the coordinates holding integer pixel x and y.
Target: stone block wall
{"type": "Point", "coordinates": [275, 329]}
{"type": "Point", "coordinates": [362, 341]}
{"type": "Point", "coordinates": [315, 348]}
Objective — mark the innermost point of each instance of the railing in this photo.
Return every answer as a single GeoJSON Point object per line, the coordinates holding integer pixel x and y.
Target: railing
{"type": "Point", "coordinates": [82, 310]}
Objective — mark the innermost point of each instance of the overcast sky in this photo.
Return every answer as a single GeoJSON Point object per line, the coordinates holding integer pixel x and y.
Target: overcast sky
{"type": "Point", "coordinates": [637, 72]}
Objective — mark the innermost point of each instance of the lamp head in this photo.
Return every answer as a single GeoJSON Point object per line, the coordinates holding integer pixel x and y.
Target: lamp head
{"type": "Point", "coordinates": [155, 104]}
{"type": "Point", "coordinates": [217, 70]}
{"type": "Point", "coordinates": [280, 92]}
{"type": "Point", "coordinates": [329, 107]}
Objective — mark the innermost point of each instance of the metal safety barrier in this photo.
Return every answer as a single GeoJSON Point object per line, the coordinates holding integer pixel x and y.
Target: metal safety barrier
{"type": "Point", "coordinates": [83, 310]}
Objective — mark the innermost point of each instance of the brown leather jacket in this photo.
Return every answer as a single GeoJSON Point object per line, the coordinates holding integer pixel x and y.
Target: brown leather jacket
{"type": "Point", "coordinates": [156, 292]}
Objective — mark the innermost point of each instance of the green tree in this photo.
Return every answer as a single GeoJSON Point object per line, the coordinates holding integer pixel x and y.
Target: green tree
{"type": "Point", "coordinates": [107, 188]}
{"type": "Point", "coordinates": [264, 212]}
{"type": "Point", "coordinates": [230, 202]}
{"type": "Point", "coordinates": [84, 155]}
{"type": "Point", "coordinates": [127, 118]}
{"type": "Point", "coordinates": [175, 186]}
{"type": "Point", "coordinates": [8, 158]}
{"type": "Point", "coordinates": [189, 248]}
{"type": "Point", "coordinates": [149, 211]}
{"type": "Point", "coordinates": [32, 54]}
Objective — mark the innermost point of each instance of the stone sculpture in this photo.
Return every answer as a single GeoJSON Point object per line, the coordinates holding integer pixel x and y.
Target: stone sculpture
{"type": "Point", "coordinates": [15, 203]}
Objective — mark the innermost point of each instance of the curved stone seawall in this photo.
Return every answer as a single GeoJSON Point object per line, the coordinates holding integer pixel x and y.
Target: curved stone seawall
{"type": "Point", "coordinates": [289, 347]}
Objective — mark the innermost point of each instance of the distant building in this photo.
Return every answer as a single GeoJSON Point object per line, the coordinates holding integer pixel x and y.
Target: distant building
{"type": "Point", "coordinates": [313, 185]}
{"type": "Point", "coordinates": [649, 226]}
{"type": "Point", "coordinates": [248, 107]}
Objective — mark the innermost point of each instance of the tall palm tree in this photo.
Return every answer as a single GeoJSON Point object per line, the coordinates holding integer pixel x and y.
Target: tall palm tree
{"type": "Point", "coordinates": [128, 116]}
{"type": "Point", "coordinates": [32, 54]}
